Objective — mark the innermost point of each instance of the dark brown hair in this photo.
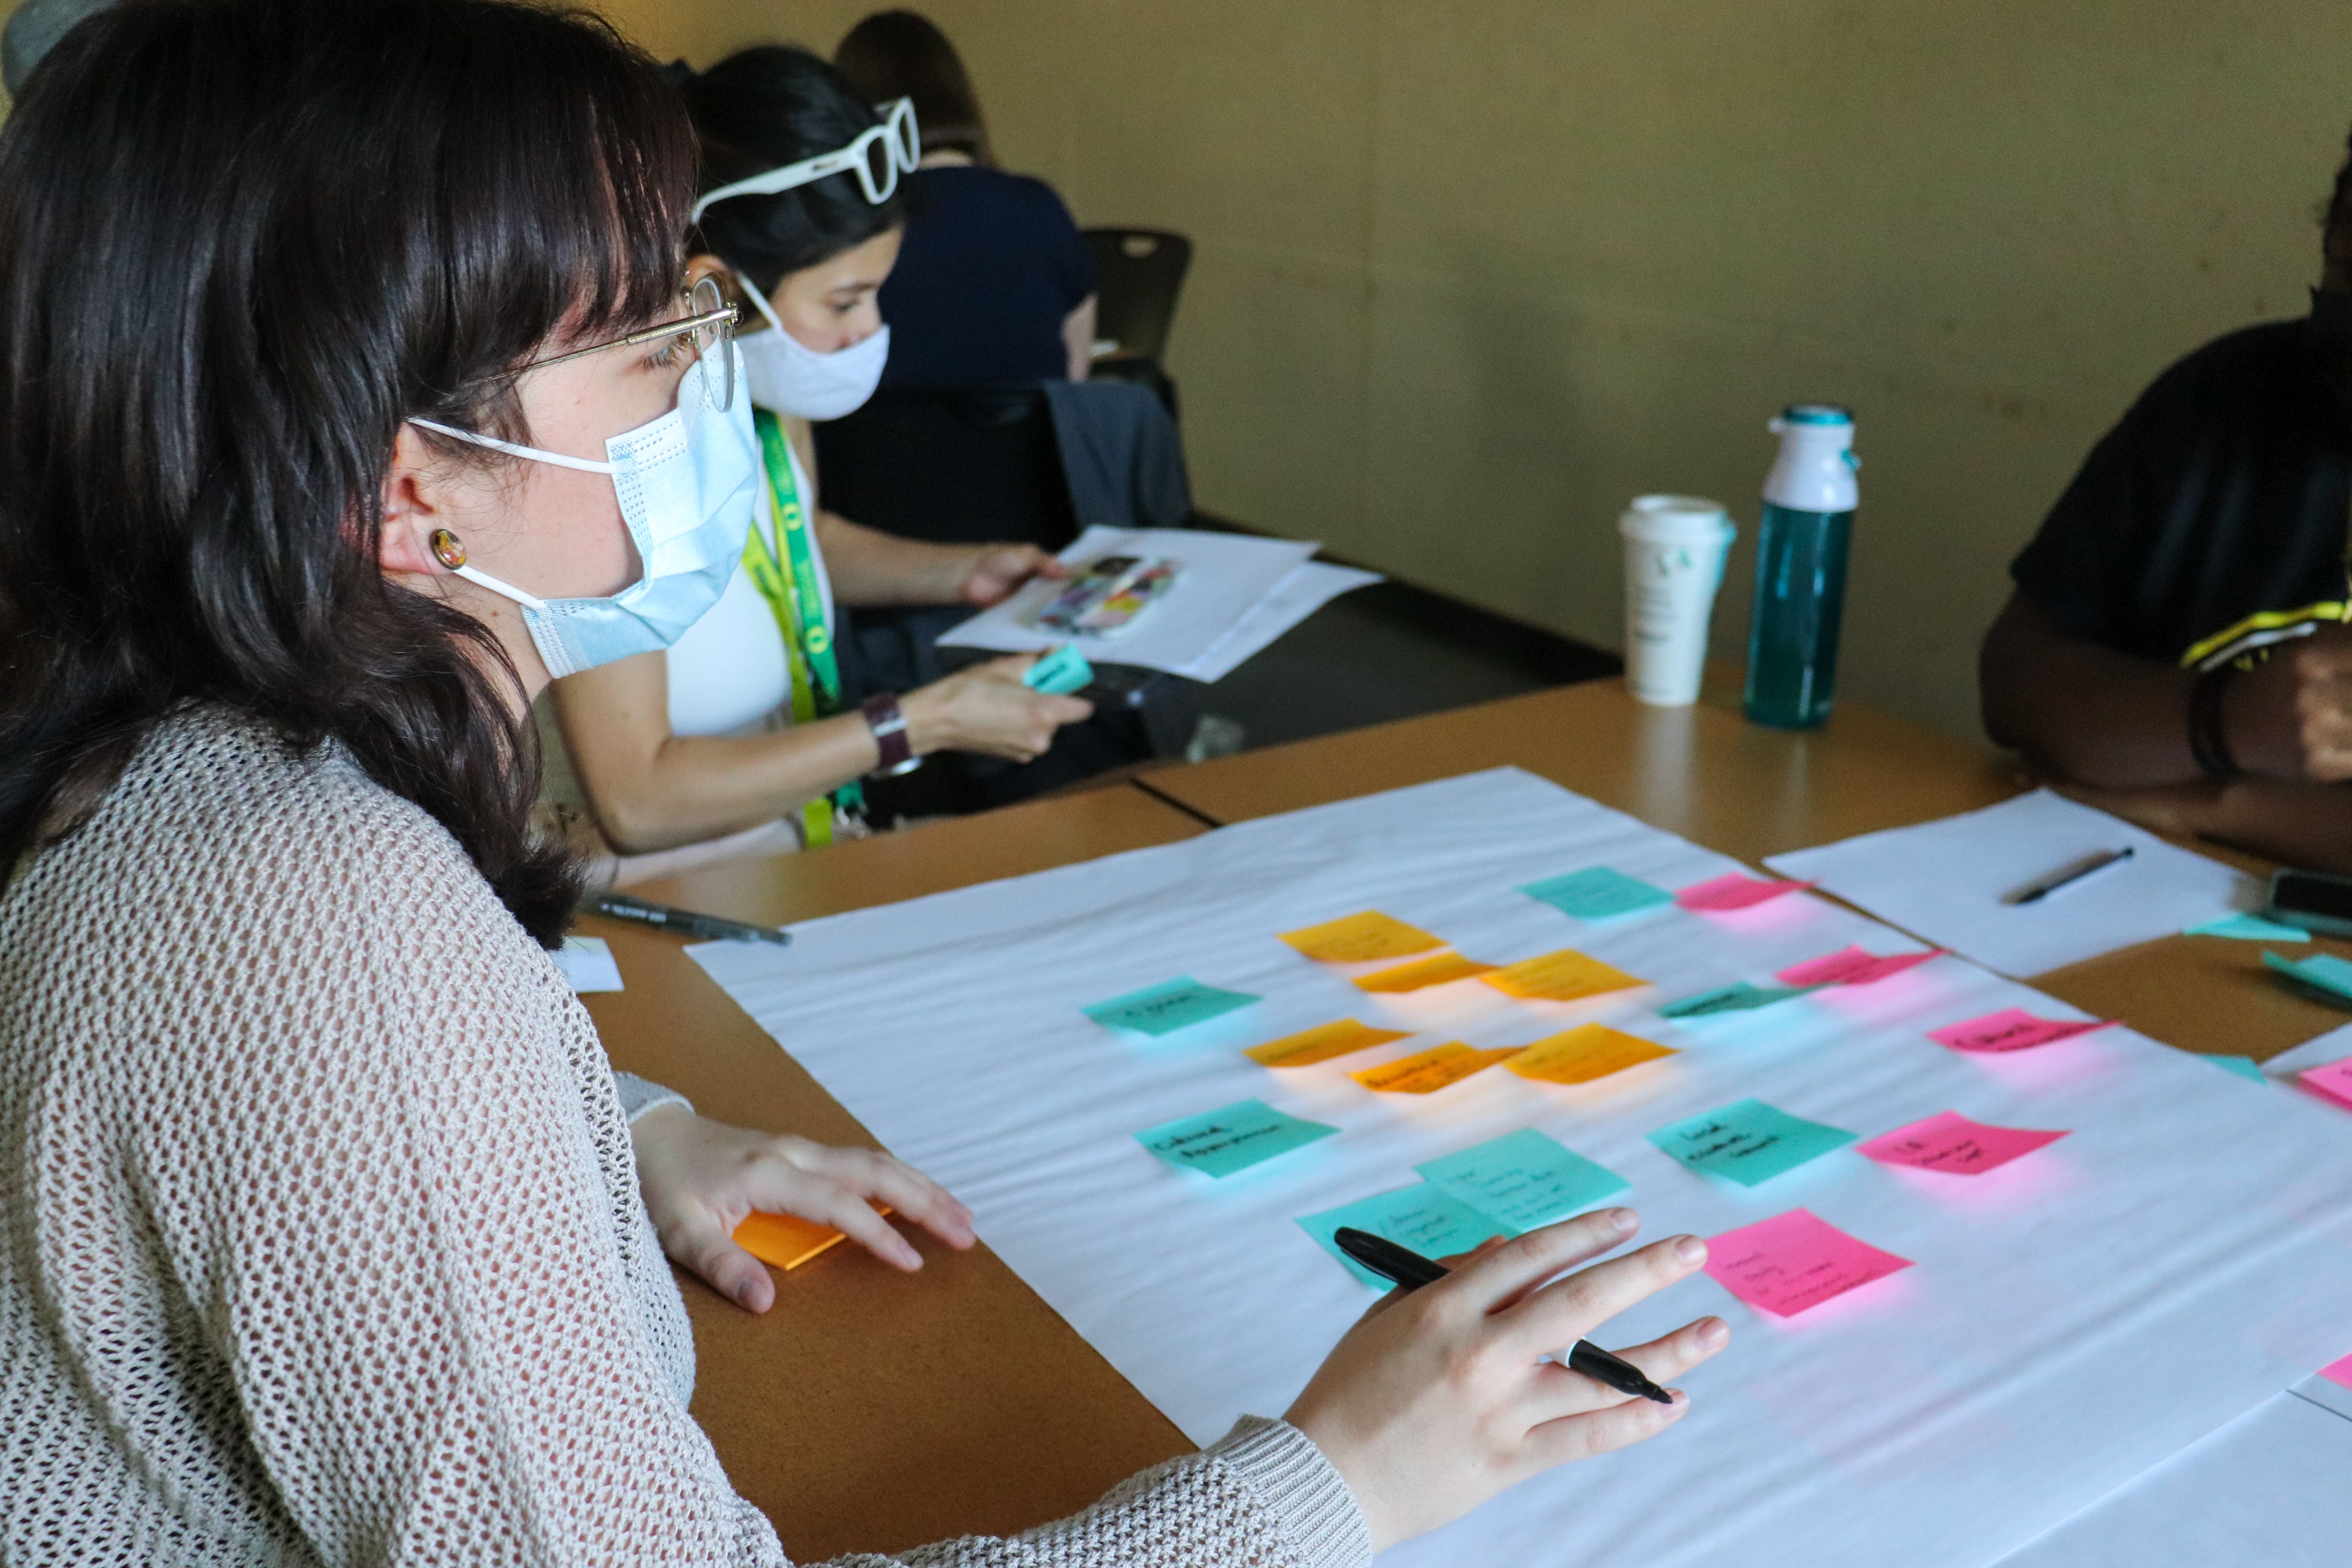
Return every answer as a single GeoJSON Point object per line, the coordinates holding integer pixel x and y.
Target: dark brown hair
{"type": "Point", "coordinates": [902, 54]}
{"type": "Point", "coordinates": [241, 242]}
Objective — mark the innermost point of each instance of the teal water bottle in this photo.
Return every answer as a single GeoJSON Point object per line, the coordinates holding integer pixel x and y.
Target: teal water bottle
{"type": "Point", "coordinates": [1793, 635]}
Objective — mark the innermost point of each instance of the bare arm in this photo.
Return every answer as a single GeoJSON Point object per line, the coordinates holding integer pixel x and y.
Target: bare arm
{"type": "Point", "coordinates": [1078, 338]}
{"type": "Point", "coordinates": [2291, 822]}
{"type": "Point", "coordinates": [651, 789]}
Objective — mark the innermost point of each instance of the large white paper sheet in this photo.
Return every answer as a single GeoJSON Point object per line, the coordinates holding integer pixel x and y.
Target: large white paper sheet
{"type": "Point", "coordinates": [1226, 575]}
{"type": "Point", "coordinates": [1944, 881]}
{"type": "Point", "coordinates": [2071, 1321]}
{"type": "Point", "coordinates": [2274, 1487]}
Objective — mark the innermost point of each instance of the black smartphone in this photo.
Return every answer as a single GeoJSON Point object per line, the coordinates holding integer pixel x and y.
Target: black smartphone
{"type": "Point", "coordinates": [2313, 900]}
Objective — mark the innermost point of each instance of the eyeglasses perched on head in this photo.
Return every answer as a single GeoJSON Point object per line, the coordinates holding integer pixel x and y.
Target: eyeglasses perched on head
{"type": "Point", "coordinates": [878, 157]}
{"type": "Point", "coordinates": [707, 326]}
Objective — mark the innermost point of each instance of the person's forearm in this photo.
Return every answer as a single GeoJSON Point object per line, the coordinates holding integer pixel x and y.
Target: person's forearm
{"type": "Point", "coordinates": [2297, 824]}
{"type": "Point", "coordinates": [1078, 339]}
{"type": "Point", "coordinates": [870, 567]}
{"type": "Point", "coordinates": [2082, 712]}
{"type": "Point", "coordinates": [697, 787]}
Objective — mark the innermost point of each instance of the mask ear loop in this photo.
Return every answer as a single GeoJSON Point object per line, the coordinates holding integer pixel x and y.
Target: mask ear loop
{"type": "Point", "coordinates": [448, 550]}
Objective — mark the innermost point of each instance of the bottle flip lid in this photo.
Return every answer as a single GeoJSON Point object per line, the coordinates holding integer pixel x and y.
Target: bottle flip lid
{"type": "Point", "coordinates": [1813, 414]}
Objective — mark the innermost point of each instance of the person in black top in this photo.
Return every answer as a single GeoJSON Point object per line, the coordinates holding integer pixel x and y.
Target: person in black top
{"type": "Point", "coordinates": [2178, 634]}
{"type": "Point", "coordinates": [993, 283]}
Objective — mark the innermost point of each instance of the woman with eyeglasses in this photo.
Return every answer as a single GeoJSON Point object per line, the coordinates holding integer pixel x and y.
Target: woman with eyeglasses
{"type": "Point", "coordinates": [744, 736]}
{"type": "Point", "coordinates": [325, 1235]}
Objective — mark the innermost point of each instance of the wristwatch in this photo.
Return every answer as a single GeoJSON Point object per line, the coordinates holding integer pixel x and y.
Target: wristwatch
{"type": "Point", "coordinates": [889, 727]}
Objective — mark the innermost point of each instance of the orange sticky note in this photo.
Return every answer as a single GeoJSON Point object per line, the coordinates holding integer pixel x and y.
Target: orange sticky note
{"type": "Point", "coordinates": [1321, 1043]}
{"type": "Point", "coordinates": [1361, 938]}
{"type": "Point", "coordinates": [1435, 970]}
{"type": "Point", "coordinates": [1564, 977]}
{"type": "Point", "coordinates": [1584, 1053]}
{"type": "Point", "coordinates": [785, 1240]}
{"type": "Point", "coordinates": [1424, 1072]}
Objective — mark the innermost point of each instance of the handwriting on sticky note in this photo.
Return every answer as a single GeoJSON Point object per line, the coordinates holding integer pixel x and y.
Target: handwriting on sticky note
{"type": "Point", "coordinates": [1951, 1143]}
{"type": "Point", "coordinates": [1564, 977]}
{"type": "Point", "coordinates": [1795, 1261]}
{"type": "Point", "coordinates": [1321, 1043]}
{"type": "Point", "coordinates": [1748, 1141]}
{"type": "Point", "coordinates": [1597, 893]}
{"type": "Point", "coordinates": [2323, 972]}
{"type": "Point", "coordinates": [785, 1240]}
{"type": "Point", "coordinates": [2011, 1030]}
{"type": "Point", "coordinates": [1426, 1218]}
{"type": "Point", "coordinates": [1734, 891]}
{"type": "Point", "coordinates": [1231, 1138]}
{"type": "Point", "coordinates": [2334, 1081]}
{"type": "Point", "coordinates": [1360, 939]}
{"type": "Point", "coordinates": [1587, 1052]}
{"type": "Point", "coordinates": [1736, 997]}
{"type": "Point", "coordinates": [1164, 1008]}
{"type": "Point", "coordinates": [1438, 969]}
{"type": "Point", "coordinates": [1523, 1180]}
{"type": "Point", "coordinates": [1426, 1072]}
{"type": "Point", "coordinates": [1852, 966]}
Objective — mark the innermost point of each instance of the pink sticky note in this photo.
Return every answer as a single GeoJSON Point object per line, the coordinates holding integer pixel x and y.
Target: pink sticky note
{"type": "Point", "coordinates": [1852, 966]}
{"type": "Point", "coordinates": [1734, 891]}
{"type": "Point", "coordinates": [2339, 1372]}
{"type": "Point", "coordinates": [2334, 1081]}
{"type": "Point", "coordinates": [2011, 1030]}
{"type": "Point", "coordinates": [1950, 1142]}
{"type": "Point", "coordinates": [1794, 1260]}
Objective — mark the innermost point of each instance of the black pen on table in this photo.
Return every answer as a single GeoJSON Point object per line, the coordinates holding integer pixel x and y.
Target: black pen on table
{"type": "Point", "coordinates": [2067, 875]}
{"type": "Point", "coordinates": [686, 922]}
{"type": "Point", "coordinates": [1411, 1270]}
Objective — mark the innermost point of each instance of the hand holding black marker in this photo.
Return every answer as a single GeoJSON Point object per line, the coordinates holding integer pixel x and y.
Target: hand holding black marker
{"type": "Point", "coordinates": [1411, 1270]}
{"type": "Point", "coordinates": [2066, 875]}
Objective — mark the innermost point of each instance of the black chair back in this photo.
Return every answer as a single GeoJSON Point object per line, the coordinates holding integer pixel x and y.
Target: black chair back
{"type": "Point", "coordinates": [962, 467]}
{"type": "Point", "coordinates": [1138, 274]}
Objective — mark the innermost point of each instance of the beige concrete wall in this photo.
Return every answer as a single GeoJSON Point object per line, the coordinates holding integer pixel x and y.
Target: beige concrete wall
{"type": "Point", "coordinates": [1470, 274]}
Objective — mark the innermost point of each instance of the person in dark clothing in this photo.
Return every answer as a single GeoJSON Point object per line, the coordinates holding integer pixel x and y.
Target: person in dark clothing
{"type": "Point", "coordinates": [993, 282]}
{"type": "Point", "coordinates": [2179, 636]}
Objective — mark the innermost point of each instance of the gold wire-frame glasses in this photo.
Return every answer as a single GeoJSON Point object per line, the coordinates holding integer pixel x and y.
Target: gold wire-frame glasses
{"type": "Point", "coordinates": [709, 324]}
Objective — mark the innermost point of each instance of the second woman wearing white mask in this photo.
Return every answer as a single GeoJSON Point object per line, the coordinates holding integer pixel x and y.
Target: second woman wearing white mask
{"type": "Point", "coordinates": [739, 738]}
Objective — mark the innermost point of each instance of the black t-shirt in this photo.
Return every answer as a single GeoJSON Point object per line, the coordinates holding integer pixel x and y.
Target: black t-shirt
{"type": "Point", "coordinates": [2222, 497]}
{"type": "Point", "coordinates": [990, 265]}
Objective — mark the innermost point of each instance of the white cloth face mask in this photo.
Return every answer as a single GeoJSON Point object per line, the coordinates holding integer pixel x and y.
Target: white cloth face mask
{"type": "Point", "coordinates": [687, 484]}
{"type": "Point", "coordinates": [784, 374]}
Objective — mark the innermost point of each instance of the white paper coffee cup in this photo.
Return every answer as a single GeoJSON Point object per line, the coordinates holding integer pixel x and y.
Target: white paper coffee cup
{"type": "Point", "coordinates": [1675, 547]}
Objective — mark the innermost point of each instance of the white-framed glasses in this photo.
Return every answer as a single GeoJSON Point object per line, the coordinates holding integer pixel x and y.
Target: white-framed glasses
{"type": "Point", "coordinates": [878, 158]}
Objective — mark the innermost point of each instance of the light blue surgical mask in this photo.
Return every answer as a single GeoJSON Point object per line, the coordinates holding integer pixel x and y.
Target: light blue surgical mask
{"type": "Point", "coordinates": [687, 484]}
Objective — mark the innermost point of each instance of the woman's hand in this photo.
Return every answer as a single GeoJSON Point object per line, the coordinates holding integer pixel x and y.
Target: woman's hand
{"type": "Point", "coordinates": [1437, 1400]}
{"type": "Point", "coordinates": [986, 709]}
{"type": "Point", "coordinates": [991, 572]}
{"type": "Point", "coordinates": [702, 1179]}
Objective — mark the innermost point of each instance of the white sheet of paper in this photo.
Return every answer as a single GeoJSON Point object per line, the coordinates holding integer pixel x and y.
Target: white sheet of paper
{"type": "Point", "coordinates": [1307, 590]}
{"type": "Point", "coordinates": [2269, 1488]}
{"type": "Point", "coordinates": [587, 961]}
{"type": "Point", "coordinates": [2071, 1320]}
{"type": "Point", "coordinates": [2317, 1052]}
{"type": "Point", "coordinates": [1226, 575]}
{"type": "Point", "coordinates": [1944, 880]}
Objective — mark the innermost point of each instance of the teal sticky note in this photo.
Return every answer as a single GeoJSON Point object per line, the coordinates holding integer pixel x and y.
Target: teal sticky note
{"type": "Point", "coordinates": [2322, 972]}
{"type": "Point", "coordinates": [2244, 1067]}
{"type": "Point", "coordinates": [1164, 1008]}
{"type": "Point", "coordinates": [1748, 1141]}
{"type": "Point", "coordinates": [1060, 672]}
{"type": "Point", "coordinates": [1596, 893]}
{"type": "Point", "coordinates": [1524, 1179]}
{"type": "Point", "coordinates": [1736, 997]}
{"type": "Point", "coordinates": [1231, 1138]}
{"type": "Point", "coordinates": [2249, 928]}
{"type": "Point", "coordinates": [1428, 1219]}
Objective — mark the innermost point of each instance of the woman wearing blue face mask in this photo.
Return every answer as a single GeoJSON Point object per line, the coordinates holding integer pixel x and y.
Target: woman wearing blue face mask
{"type": "Point", "coordinates": [741, 737]}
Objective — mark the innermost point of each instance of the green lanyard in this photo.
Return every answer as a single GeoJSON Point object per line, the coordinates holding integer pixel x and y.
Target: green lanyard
{"type": "Point", "coordinates": [790, 586]}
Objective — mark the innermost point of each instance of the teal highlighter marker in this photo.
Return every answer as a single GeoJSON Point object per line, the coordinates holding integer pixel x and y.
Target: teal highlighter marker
{"type": "Point", "coordinates": [1060, 672]}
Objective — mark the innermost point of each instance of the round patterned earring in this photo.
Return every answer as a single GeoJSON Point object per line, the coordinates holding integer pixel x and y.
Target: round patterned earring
{"type": "Point", "coordinates": [448, 549]}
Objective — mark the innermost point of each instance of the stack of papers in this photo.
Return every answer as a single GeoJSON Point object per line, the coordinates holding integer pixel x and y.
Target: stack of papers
{"type": "Point", "coordinates": [1237, 594]}
{"type": "Point", "coordinates": [1945, 881]}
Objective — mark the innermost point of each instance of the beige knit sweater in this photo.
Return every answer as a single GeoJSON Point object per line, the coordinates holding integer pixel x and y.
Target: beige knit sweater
{"type": "Point", "coordinates": [319, 1234]}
